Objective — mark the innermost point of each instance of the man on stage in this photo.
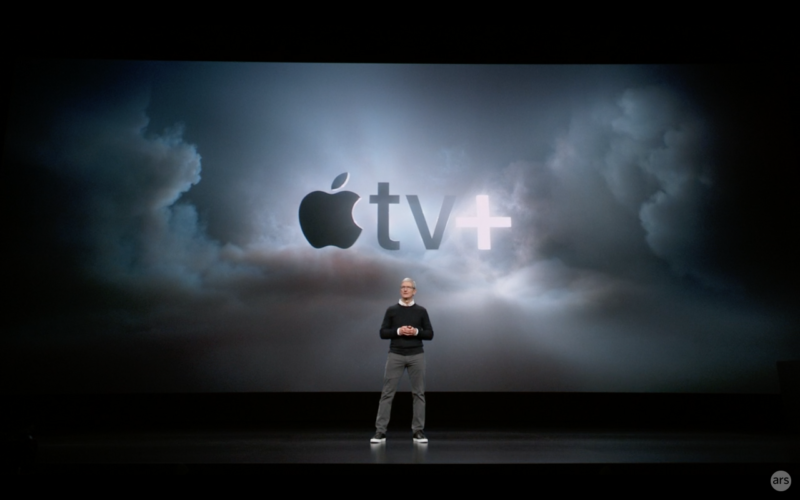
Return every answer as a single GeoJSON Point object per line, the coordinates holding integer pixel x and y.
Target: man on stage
{"type": "Point", "coordinates": [407, 325]}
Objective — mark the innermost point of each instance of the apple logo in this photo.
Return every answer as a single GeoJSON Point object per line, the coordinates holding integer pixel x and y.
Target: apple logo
{"type": "Point", "coordinates": [327, 219]}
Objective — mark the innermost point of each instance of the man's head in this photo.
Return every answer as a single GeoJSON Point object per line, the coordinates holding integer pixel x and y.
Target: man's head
{"type": "Point", "coordinates": [407, 289]}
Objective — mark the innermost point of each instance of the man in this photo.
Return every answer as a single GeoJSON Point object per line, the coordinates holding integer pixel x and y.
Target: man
{"type": "Point", "coordinates": [407, 325]}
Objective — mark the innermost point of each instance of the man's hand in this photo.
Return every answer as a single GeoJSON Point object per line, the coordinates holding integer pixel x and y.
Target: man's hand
{"type": "Point", "coordinates": [408, 331]}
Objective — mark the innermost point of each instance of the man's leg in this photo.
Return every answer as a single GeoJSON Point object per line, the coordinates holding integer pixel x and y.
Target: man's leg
{"type": "Point", "coordinates": [395, 364]}
{"type": "Point", "coordinates": [416, 373]}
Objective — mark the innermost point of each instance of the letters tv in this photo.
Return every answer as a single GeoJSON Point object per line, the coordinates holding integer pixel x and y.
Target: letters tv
{"type": "Point", "coordinates": [326, 219]}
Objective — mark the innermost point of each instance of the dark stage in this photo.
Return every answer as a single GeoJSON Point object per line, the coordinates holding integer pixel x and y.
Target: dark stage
{"type": "Point", "coordinates": [730, 441]}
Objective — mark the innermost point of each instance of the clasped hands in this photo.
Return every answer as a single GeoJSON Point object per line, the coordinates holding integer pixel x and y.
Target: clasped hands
{"type": "Point", "coordinates": [408, 331]}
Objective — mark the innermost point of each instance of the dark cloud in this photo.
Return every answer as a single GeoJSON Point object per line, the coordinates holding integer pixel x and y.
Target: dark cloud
{"type": "Point", "coordinates": [157, 204]}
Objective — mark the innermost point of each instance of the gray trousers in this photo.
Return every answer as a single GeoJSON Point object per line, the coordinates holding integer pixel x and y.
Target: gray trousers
{"type": "Point", "coordinates": [396, 364]}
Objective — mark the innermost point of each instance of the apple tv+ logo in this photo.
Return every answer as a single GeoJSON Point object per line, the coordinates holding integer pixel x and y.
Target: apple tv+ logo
{"type": "Point", "coordinates": [327, 219]}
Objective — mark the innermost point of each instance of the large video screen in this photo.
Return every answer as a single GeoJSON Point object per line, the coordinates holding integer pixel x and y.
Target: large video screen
{"type": "Point", "coordinates": [232, 226]}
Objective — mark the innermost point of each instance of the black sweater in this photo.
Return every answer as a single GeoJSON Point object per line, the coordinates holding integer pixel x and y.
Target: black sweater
{"type": "Point", "coordinates": [397, 316]}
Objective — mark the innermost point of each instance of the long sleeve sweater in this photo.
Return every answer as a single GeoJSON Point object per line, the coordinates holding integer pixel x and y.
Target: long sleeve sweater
{"type": "Point", "coordinates": [398, 316]}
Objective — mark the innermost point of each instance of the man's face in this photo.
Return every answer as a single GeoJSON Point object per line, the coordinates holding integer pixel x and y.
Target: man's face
{"type": "Point", "coordinates": [407, 291]}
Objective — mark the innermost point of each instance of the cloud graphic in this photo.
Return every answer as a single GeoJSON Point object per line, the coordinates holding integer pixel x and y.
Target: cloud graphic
{"type": "Point", "coordinates": [146, 276]}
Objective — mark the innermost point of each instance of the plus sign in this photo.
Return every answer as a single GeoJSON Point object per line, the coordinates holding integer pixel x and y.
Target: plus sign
{"type": "Point", "coordinates": [483, 222]}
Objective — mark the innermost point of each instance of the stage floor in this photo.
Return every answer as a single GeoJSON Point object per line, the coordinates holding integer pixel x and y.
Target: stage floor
{"type": "Point", "coordinates": [456, 446]}
{"type": "Point", "coordinates": [583, 459]}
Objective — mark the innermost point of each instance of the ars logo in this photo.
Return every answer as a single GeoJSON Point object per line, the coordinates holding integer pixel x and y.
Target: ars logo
{"type": "Point", "coordinates": [327, 219]}
{"type": "Point", "coordinates": [781, 480]}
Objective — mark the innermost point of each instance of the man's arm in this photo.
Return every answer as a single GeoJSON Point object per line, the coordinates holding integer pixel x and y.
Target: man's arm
{"type": "Point", "coordinates": [388, 331]}
{"type": "Point", "coordinates": [426, 332]}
